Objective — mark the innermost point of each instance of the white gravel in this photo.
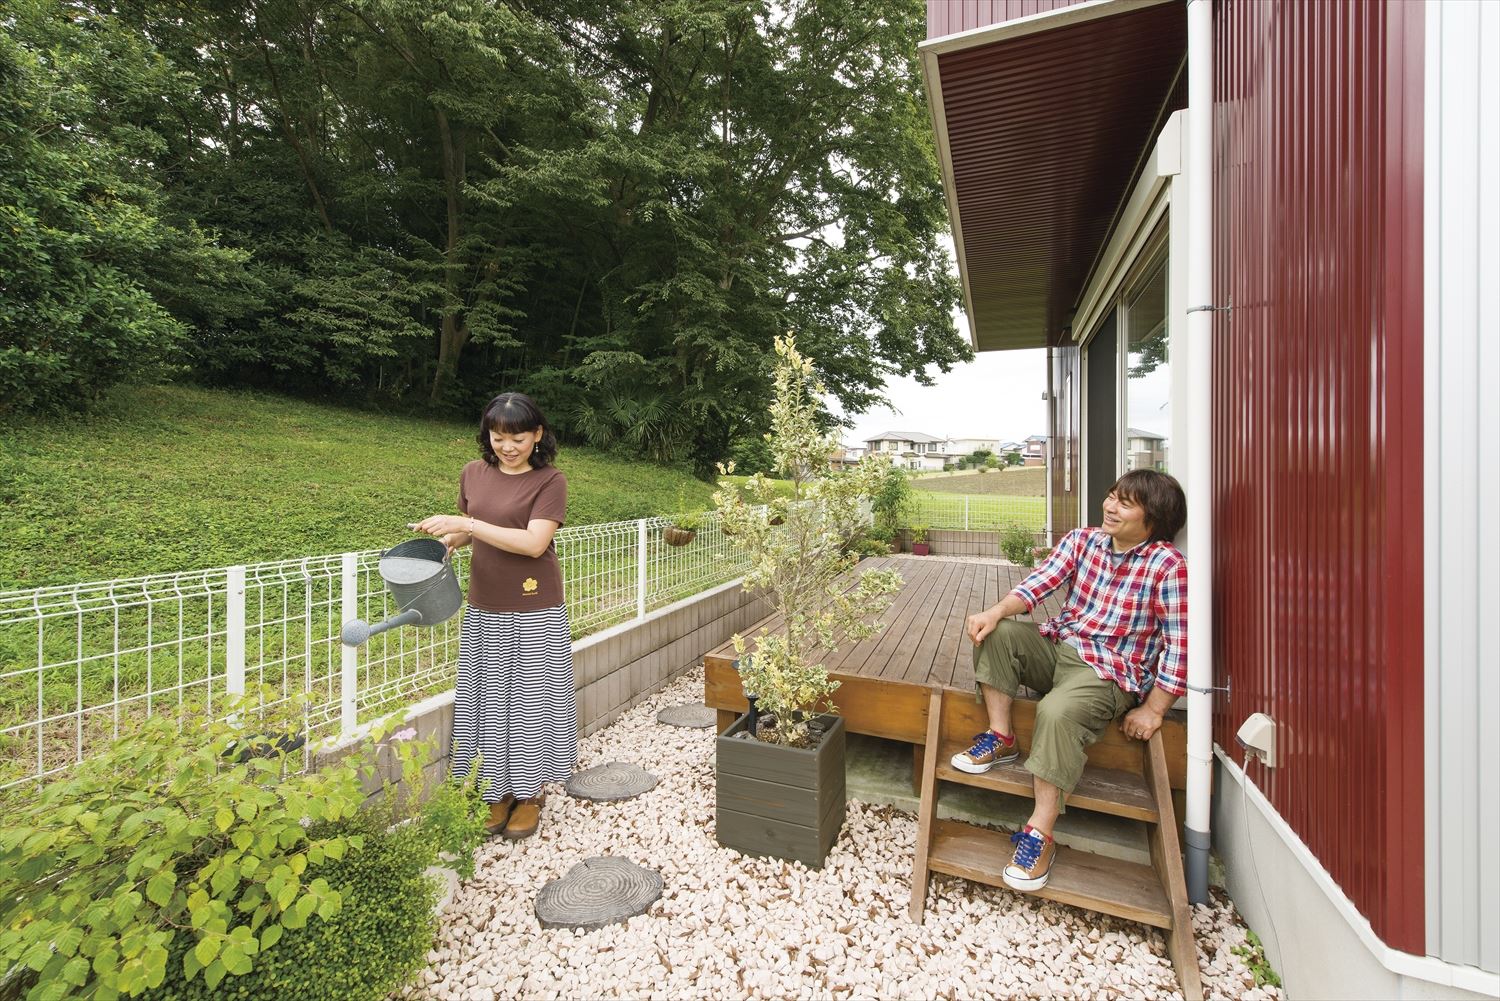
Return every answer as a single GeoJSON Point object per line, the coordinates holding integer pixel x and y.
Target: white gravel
{"type": "Point", "coordinates": [731, 926]}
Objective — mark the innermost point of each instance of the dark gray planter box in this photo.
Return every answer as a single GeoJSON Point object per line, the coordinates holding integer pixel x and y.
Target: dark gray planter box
{"type": "Point", "coordinates": [785, 802]}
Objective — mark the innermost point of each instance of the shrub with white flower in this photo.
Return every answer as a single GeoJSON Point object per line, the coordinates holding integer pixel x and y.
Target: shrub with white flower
{"type": "Point", "coordinates": [796, 547]}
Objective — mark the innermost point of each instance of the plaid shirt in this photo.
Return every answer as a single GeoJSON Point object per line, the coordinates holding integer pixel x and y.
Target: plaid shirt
{"type": "Point", "coordinates": [1126, 612]}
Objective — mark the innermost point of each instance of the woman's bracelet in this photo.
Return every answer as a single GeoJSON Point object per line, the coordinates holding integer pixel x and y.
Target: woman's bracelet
{"type": "Point", "coordinates": [471, 526]}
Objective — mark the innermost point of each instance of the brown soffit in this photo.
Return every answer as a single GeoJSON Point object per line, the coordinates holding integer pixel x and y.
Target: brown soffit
{"type": "Point", "coordinates": [1042, 123]}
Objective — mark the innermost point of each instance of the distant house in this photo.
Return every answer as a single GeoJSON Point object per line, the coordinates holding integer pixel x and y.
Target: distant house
{"type": "Point", "coordinates": [845, 457]}
{"type": "Point", "coordinates": [1145, 450]}
{"type": "Point", "coordinates": [1034, 450]}
{"type": "Point", "coordinates": [959, 447]}
{"type": "Point", "coordinates": [909, 449]}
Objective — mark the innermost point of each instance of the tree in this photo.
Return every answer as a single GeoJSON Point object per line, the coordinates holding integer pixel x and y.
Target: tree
{"type": "Point", "coordinates": [81, 210]}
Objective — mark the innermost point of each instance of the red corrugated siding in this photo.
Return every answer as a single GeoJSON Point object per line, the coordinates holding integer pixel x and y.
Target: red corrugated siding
{"type": "Point", "coordinates": [1318, 428]}
{"type": "Point", "coordinates": [949, 17]}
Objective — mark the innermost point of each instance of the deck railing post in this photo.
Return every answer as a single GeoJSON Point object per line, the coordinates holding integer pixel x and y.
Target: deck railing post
{"type": "Point", "coordinates": [640, 569]}
{"type": "Point", "coordinates": [234, 633]}
{"type": "Point", "coordinates": [349, 666]}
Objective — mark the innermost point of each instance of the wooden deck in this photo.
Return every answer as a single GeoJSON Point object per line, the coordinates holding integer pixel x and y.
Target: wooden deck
{"type": "Point", "coordinates": [887, 677]}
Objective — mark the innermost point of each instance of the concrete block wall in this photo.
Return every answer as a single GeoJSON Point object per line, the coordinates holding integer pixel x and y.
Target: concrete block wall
{"type": "Point", "coordinates": [957, 542]}
{"type": "Point", "coordinates": [614, 670]}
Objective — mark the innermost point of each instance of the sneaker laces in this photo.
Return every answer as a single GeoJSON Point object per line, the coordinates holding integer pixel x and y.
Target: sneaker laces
{"type": "Point", "coordinates": [1028, 848]}
{"type": "Point", "coordinates": [984, 743]}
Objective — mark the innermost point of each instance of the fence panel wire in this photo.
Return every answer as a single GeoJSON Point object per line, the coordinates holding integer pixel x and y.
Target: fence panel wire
{"type": "Point", "coordinates": [81, 663]}
{"type": "Point", "coordinates": [979, 512]}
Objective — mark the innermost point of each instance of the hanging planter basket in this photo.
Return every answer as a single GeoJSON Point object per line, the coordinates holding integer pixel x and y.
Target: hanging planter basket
{"type": "Point", "coordinates": [674, 536]}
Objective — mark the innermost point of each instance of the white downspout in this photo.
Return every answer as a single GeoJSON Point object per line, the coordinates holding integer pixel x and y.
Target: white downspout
{"type": "Point", "coordinates": [1199, 486]}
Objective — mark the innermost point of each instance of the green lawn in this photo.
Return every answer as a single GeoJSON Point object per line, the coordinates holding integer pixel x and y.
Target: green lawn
{"type": "Point", "coordinates": [173, 478]}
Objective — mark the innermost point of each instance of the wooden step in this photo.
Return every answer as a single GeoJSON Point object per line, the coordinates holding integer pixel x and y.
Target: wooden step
{"type": "Point", "coordinates": [1103, 790]}
{"type": "Point", "coordinates": [1081, 879]}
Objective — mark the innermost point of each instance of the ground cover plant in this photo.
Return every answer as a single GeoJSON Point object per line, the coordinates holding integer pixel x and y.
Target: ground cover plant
{"type": "Point", "coordinates": [173, 478]}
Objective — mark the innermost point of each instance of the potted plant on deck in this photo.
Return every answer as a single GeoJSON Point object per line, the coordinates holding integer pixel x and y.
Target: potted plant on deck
{"type": "Point", "coordinates": [780, 783]}
{"type": "Point", "coordinates": [919, 540]}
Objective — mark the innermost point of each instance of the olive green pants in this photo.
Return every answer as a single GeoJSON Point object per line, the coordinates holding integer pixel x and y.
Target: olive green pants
{"type": "Point", "coordinates": [1076, 703]}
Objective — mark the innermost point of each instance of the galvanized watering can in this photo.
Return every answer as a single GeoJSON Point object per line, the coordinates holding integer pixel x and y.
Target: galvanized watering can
{"type": "Point", "coordinates": [421, 579]}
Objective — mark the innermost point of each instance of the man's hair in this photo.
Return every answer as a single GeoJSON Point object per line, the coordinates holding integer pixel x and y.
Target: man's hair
{"type": "Point", "coordinates": [1160, 496]}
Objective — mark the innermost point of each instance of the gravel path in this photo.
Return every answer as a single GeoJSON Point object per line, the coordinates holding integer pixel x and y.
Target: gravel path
{"type": "Point", "coordinates": [732, 926]}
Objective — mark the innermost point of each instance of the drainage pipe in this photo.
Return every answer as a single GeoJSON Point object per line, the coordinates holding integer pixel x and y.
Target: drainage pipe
{"type": "Point", "coordinates": [1199, 486]}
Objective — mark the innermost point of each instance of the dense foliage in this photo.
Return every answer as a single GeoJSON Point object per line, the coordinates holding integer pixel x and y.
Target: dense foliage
{"type": "Point", "coordinates": [378, 939]}
{"type": "Point", "coordinates": [612, 204]}
{"type": "Point", "coordinates": [206, 845]}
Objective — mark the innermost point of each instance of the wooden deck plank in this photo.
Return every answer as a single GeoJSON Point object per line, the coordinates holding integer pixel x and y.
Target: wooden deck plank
{"type": "Point", "coordinates": [924, 658]}
{"type": "Point", "coordinates": [901, 651]}
{"type": "Point", "coordinates": [945, 659]}
{"type": "Point", "coordinates": [898, 621]}
{"type": "Point", "coordinates": [857, 653]}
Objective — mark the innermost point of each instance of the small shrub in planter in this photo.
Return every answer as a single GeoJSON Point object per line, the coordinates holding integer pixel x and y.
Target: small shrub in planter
{"type": "Point", "coordinates": [801, 570]}
{"type": "Point", "coordinates": [919, 540]}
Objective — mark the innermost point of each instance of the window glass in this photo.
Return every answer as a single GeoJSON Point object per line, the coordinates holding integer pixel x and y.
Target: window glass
{"type": "Point", "coordinates": [1148, 377]}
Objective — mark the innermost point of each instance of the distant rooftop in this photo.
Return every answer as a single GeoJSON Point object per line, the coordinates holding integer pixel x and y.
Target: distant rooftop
{"type": "Point", "coordinates": [1138, 433]}
{"type": "Point", "coordinates": [904, 436]}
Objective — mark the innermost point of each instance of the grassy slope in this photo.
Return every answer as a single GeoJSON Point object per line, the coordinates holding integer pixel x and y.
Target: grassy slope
{"type": "Point", "coordinates": [174, 478]}
{"type": "Point", "coordinates": [1023, 481]}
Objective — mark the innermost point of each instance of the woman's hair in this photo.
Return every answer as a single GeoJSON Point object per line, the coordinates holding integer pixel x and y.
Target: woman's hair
{"type": "Point", "coordinates": [1162, 498]}
{"type": "Point", "coordinates": [516, 413]}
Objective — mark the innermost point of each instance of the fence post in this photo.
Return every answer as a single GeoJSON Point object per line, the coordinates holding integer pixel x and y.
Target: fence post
{"type": "Point", "coordinates": [640, 569]}
{"type": "Point", "coordinates": [234, 633]}
{"type": "Point", "coordinates": [966, 512]}
{"type": "Point", "coordinates": [349, 674]}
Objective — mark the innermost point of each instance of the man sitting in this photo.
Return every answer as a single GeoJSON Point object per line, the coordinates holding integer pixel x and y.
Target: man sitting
{"type": "Point", "coordinates": [1121, 640]}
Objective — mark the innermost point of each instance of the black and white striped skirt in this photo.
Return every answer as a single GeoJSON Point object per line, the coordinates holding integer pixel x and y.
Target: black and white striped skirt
{"type": "Point", "coordinates": [514, 706]}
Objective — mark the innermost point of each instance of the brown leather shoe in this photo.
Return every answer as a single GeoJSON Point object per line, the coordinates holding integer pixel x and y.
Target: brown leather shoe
{"type": "Point", "coordinates": [524, 819]}
{"type": "Point", "coordinates": [499, 814]}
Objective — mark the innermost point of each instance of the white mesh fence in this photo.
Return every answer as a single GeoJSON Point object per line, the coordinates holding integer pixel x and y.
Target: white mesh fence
{"type": "Point", "coordinates": [978, 512]}
{"type": "Point", "coordinates": [81, 663]}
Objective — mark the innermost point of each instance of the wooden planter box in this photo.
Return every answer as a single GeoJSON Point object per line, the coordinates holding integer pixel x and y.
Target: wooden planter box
{"type": "Point", "coordinates": [785, 802]}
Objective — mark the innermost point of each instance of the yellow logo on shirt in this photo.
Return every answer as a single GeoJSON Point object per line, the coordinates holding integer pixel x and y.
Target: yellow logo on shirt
{"type": "Point", "coordinates": [528, 585]}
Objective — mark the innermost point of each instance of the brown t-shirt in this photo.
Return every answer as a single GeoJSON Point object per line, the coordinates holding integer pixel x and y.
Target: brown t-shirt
{"type": "Point", "coordinates": [509, 582]}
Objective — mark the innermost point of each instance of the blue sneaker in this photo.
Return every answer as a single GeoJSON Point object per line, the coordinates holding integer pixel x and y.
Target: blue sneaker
{"type": "Point", "coordinates": [1032, 861]}
{"type": "Point", "coordinates": [990, 749]}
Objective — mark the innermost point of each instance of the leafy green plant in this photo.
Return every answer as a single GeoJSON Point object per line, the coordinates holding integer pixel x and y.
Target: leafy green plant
{"type": "Point", "coordinates": [800, 566]}
{"type": "Point", "coordinates": [919, 534]}
{"type": "Point", "coordinates": [208, 843]}
{"type": "Point", "coordinates": [891, 496]}
{"type": "Point", "coordinates": [1018, 544]}
{"type": "Point", "coordinates": [1254, 955]}
{"type": "Point", "coordinates": [379, 938]}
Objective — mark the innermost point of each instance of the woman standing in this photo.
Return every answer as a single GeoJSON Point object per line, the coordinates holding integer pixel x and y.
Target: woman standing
{"type": "Point", "coordinates": [514, 706]}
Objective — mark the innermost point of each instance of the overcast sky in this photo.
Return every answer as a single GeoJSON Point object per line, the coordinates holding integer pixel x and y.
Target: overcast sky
{"type": "Point", "coordinates": [997, 395]}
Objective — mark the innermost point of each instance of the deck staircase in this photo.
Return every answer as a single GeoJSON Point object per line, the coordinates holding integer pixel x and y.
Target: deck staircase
{"type": "Point", "coordinates": [1123, 778]}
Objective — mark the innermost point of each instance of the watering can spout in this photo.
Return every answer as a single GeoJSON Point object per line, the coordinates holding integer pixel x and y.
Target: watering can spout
{"type": "Point", "coordinates": [358, 631]}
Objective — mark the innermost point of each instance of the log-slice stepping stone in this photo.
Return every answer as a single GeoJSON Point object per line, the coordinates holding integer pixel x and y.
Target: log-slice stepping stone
{"type": "Point", "coordinates": [611, 780]}
{"type": "Point", "coordinates": [596, 892]}
{"type": "Point", "coordinates": [688, 714]}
